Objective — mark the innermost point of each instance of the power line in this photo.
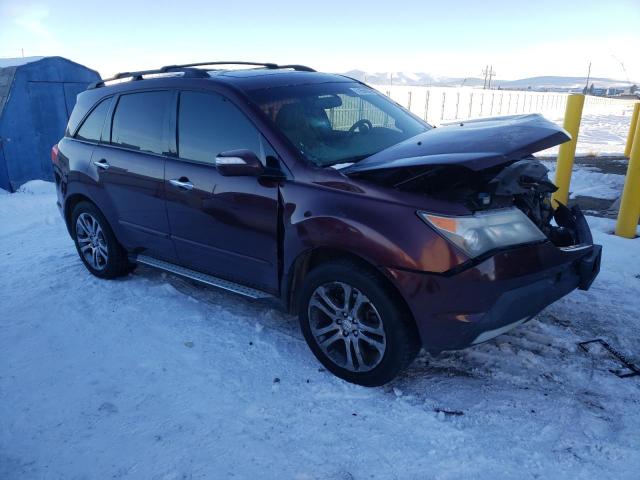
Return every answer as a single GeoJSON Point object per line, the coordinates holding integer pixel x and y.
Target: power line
{"type": "Point", "coordinates": [586, 87]}
{"type": "Point", "coordinates": [623, 69]}
{"type": "Point", "coordinates": [488, 74]}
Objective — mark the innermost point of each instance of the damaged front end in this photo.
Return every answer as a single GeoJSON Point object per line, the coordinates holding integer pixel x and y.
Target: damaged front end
{"type": "Point", "coordinates": [488, 166]}
{"type": "Point", "coordinates": [522, 183]}
{"type": "Point", "coordinates": [525, 184]}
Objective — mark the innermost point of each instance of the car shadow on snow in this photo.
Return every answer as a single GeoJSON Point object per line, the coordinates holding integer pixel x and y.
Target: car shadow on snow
{"type": "Point", "coordinates": [256, 312]}
{"type": "Point", "coordinates": [540, 356]}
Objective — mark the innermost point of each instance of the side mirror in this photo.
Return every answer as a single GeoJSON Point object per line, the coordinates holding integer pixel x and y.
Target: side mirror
{"type": "Point", "coordinates": [236, 163]}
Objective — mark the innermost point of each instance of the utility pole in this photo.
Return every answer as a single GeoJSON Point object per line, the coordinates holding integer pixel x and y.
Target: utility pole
{"type": "Point", "coordinates": [488, 74]}
{"type": "Point", "coordinates": [586, 87]}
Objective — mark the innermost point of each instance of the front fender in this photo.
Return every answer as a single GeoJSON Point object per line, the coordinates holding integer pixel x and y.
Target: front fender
{"type": "Point", "coordinates": [386, 234]}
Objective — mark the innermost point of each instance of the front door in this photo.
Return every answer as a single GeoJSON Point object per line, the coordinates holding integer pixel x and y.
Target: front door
{"type": "Point", "coordinates": [225, 226]}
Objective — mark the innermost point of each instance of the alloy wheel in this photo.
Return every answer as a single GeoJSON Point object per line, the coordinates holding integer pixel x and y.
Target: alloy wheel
{"type": "Point", "coordinates": [91, 241]}
{"type": "Point", "coordinates": [347, 326]}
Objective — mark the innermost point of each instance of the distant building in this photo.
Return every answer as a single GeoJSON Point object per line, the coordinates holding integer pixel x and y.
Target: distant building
{"type": "Point", "coordinates": [37, 95]}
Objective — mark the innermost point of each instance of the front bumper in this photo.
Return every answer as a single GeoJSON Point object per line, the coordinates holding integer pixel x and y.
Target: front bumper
{"type": "Point", "coordinates": [501, 292]}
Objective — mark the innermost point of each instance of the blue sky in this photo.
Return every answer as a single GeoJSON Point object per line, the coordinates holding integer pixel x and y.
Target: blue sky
{"type": "Point", "coordinates": [454, 38]}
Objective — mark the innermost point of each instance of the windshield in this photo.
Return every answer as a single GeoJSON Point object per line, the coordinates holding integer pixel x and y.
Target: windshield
{"type": "Point", "coordinates": [336, 123]}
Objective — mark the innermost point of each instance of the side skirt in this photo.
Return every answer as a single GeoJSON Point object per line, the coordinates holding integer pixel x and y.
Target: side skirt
{"type": "Point", "coordinates": [202, 277]}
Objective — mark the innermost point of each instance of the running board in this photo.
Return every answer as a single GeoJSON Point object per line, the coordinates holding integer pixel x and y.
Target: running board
{"type": "Point", "coordinates": [202, 277]}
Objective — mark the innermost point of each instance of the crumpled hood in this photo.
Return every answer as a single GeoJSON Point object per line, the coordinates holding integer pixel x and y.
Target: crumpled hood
{"type": "Point", "coordinates": [474, 144]}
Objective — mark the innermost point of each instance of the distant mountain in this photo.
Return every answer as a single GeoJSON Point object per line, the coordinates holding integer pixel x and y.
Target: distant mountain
{"type": "Point", "coordinates": [553, 83]}
{"type": "Point", "coordinates": [397, 78]}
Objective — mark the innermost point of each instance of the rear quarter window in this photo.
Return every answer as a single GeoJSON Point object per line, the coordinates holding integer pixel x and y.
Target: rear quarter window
{"type": "Point", "coordinates": [84, 102]}
{"type": "Point", "coordinates": [141, 122]}
{"type": "Point", "coordinates": [91, 129]}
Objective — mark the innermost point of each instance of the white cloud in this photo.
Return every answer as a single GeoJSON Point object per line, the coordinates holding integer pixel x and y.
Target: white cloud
{"type": "Point", "coordinates": [30, 29]}
{"type": "Point", "coordinates": [33, 20]}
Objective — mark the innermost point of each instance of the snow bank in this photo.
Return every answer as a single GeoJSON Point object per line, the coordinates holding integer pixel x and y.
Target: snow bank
{"type": "Point", "coordinates": [32, 205]}
{"type": "Point", "coordinates": [152, 376]}
{"type": "Point", "coordinates": [588, 181]}
{"type": "Point", "coordinates": [37, 187]}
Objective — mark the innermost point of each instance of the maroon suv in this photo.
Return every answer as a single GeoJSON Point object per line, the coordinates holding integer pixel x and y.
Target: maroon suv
{"type": "Point", "coordinates": [381, 232]}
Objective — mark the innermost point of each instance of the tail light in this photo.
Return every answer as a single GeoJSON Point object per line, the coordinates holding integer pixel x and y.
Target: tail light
{"type": "Point", "coordinates": [54, 154]}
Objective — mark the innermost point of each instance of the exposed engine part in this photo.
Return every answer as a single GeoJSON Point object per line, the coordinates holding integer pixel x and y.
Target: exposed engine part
{"type": "Point", "coordinates": [522, 177]}
{"type": "Point", "coordinates": [523, 183]}
{"type": "Point", "coordinates": [527, 182]}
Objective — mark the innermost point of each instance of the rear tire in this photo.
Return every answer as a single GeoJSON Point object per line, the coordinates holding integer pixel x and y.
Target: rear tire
{"type": "Point", "coordinates": [96, 244]}
{"type": "Point", "coordinates": [367, 339]}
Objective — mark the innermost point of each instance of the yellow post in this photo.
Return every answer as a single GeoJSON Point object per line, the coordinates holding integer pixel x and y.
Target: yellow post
{"type": "Point", "coordinates": [572, 117]}
{"type": "Point", "coordinates": [632, 129]}
{"type": "Point", "coordinates": [630, 202]}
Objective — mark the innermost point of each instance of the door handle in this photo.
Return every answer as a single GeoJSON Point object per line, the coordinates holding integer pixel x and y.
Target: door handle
{"type": "Point", "coordinates": [182, 183]}
{"type": "Point", "coordinates": [102, 164]}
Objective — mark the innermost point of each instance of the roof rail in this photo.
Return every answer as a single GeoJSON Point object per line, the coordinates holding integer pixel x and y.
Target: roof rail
{"type": "Point", "coordinates": [202, 64]}
{"type": "Point", "coordinates": [271, 66]}
{"type": "Point", "coordinates": [301, 68]}
{"type": "Point", "coordinates": [188, 71]}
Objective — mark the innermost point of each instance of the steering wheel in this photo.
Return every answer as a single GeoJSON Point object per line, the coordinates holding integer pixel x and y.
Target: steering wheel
{"type": "Point", "coordinates": [360, 125]}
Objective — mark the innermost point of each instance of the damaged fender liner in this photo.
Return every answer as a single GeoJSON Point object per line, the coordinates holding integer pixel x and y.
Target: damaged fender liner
{"type": "Point", "coordinates": [589, 266]}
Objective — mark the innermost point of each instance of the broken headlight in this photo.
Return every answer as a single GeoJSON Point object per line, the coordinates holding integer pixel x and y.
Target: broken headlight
{"type": "Point", "coordinates": [483, 231]}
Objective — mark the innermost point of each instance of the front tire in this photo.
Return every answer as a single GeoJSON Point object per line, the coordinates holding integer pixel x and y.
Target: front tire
{"type": "Point", "coordinates": [355, 324]}
{"type": "Point", "coordinates": [96, 244]}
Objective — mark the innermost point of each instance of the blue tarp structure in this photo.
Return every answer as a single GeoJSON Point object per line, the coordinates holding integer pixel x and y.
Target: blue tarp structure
{"type": "Point", "coordinates": [37, 95]}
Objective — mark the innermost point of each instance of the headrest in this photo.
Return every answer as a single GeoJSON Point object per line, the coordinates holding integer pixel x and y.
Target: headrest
{"type": "Point", "coordinates": [290, 116]}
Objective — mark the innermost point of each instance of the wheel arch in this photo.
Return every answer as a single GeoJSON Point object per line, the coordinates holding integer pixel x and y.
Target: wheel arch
{"type": "Point", "coordinates": [74, 199]}
{"type": "Point", "coordinates": [70, 203]}
{"type": "Point", "coordinates": [306, 261]}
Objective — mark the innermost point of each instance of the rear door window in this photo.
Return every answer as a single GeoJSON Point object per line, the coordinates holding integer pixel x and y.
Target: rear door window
{"type": "Point", "coordinates": [91, 129]}
{"type": "Point", "coordinates": [141, 122]}
{"type": "Point", "coordinates": [209, 124]}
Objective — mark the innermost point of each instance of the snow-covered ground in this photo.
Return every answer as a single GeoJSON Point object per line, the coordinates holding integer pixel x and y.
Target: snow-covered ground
{"type": "Point", "coordinates": [603, 131]}
{"type": "Point", "coordinates": [154, 377]}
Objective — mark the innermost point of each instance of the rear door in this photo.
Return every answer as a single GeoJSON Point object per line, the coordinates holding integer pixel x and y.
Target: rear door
{"type": "Point", "coordinates": [130, 165]}
{"type": "Point", "coordinates": [225, 226]}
